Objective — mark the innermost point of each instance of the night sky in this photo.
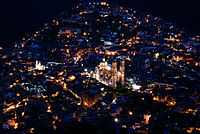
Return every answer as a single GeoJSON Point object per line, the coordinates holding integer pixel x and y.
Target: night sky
{"type": "Point", "coordinates": [25, 16]}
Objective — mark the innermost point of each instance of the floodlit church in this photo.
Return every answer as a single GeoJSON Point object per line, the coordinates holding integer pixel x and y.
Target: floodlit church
{"type": "Point", "coordinates": [109, 75]}
{"type": "Point", "coordinates": [39, 66]}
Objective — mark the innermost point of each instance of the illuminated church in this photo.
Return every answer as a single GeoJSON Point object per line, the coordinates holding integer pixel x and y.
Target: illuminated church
{"type": "Point", "coordinates": [39, 66]}
{"type": "Point", "coordinates": [109, 75]}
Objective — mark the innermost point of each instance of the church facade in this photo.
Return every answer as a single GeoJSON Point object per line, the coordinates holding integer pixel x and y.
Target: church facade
{"type": "Point", "coordinates": [39, 66]}
{"type": "Point", "coordinates": [109, 75]}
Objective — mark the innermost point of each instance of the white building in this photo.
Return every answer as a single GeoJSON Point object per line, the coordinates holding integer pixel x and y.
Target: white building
{"type": "Point", "coordinates": [39, 66]}
{"type": "Point", "coordinates": [109, 75]}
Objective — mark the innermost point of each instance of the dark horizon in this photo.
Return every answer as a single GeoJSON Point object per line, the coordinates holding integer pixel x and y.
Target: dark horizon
{"type": "Point", "coordinates": [22, 17]}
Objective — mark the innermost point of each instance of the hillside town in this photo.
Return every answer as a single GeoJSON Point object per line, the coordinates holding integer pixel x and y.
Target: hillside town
{"type": "Point", "coordinates": [101, 68]}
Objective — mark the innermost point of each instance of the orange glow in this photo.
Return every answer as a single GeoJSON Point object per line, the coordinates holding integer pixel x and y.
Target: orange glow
{"type": "Point", "coordinates": [44, 96]}
{"type": "Point", "coordinates": [85, 104]}
{"type": "Point", "coordinates": [67, 50]}
{"type": "Point", "coordinates": [31, 130]}
{"type": "Point", "coordinates": [71, 78]}
{"type": "Point", "coordinates": [54, 95]}
{"type": "Point", "coordinates": [189, 59]}
{"type": "Point", "coordinates": [4, 57]}
{"type": "Point", "coordinates": [26, 99]}
{"type": "Point", "coordinates": [138, 22]}
{"type": "Point", "coordinates": [156, 98]}
{"type": "Point", "coordinates": [84, 33]}
{"type": "Point", "coordinates": [128, 59]}
{"type": "Point", "coordinates": [52, 78]}
{"type": "Point", "coordinates": [130, 113]}
{"type": "Point", "coordinates": [17, 94]}
{"type": "Point", "coordinates": [15, 116]}
{"type": "Point", "coordinates": [12, 123]}
{"type": "Point", "coordinates": [22, 114]}
{"type": "Point", "coordinates": [61, 73]}
{"type": "Point", "coordinates": [49, 109]}
{"type": "Point", "coordinates": [103, 3]}
{"type": "Point", "coordinates": [110, 53]}
{"type": "Point", "coordinates": [146, 118]}
{"type": "Point", "coordinates": [15, 125]}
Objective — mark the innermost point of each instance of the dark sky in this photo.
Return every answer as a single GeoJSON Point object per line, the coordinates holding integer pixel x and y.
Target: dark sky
{"type": "Point", "coordinates": [19, 17]}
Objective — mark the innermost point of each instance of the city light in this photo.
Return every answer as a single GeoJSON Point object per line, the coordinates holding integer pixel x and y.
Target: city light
{"type": "Point", "coordinates": [136, 87]}
{"type": "Point", "coordinates": [116, 120]}
{"type": "Point", "coordinates": [105, 67]}
{"type": "Point", "coordinates": [130, 113]}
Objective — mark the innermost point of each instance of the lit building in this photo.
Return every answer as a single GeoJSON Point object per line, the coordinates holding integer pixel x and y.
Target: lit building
{"type": "Point", "coordinates": [39, 66]}
{"type": "Point", "coordinates": [109, 75]}
{"type": "Point", "coordinates": [65, 32]}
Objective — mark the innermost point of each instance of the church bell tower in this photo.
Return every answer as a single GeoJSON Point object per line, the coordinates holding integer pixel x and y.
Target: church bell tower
{"type": "Point", "coordinates": [122, 71]}
{"type": "Point", "coordinates": [114, 74]}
